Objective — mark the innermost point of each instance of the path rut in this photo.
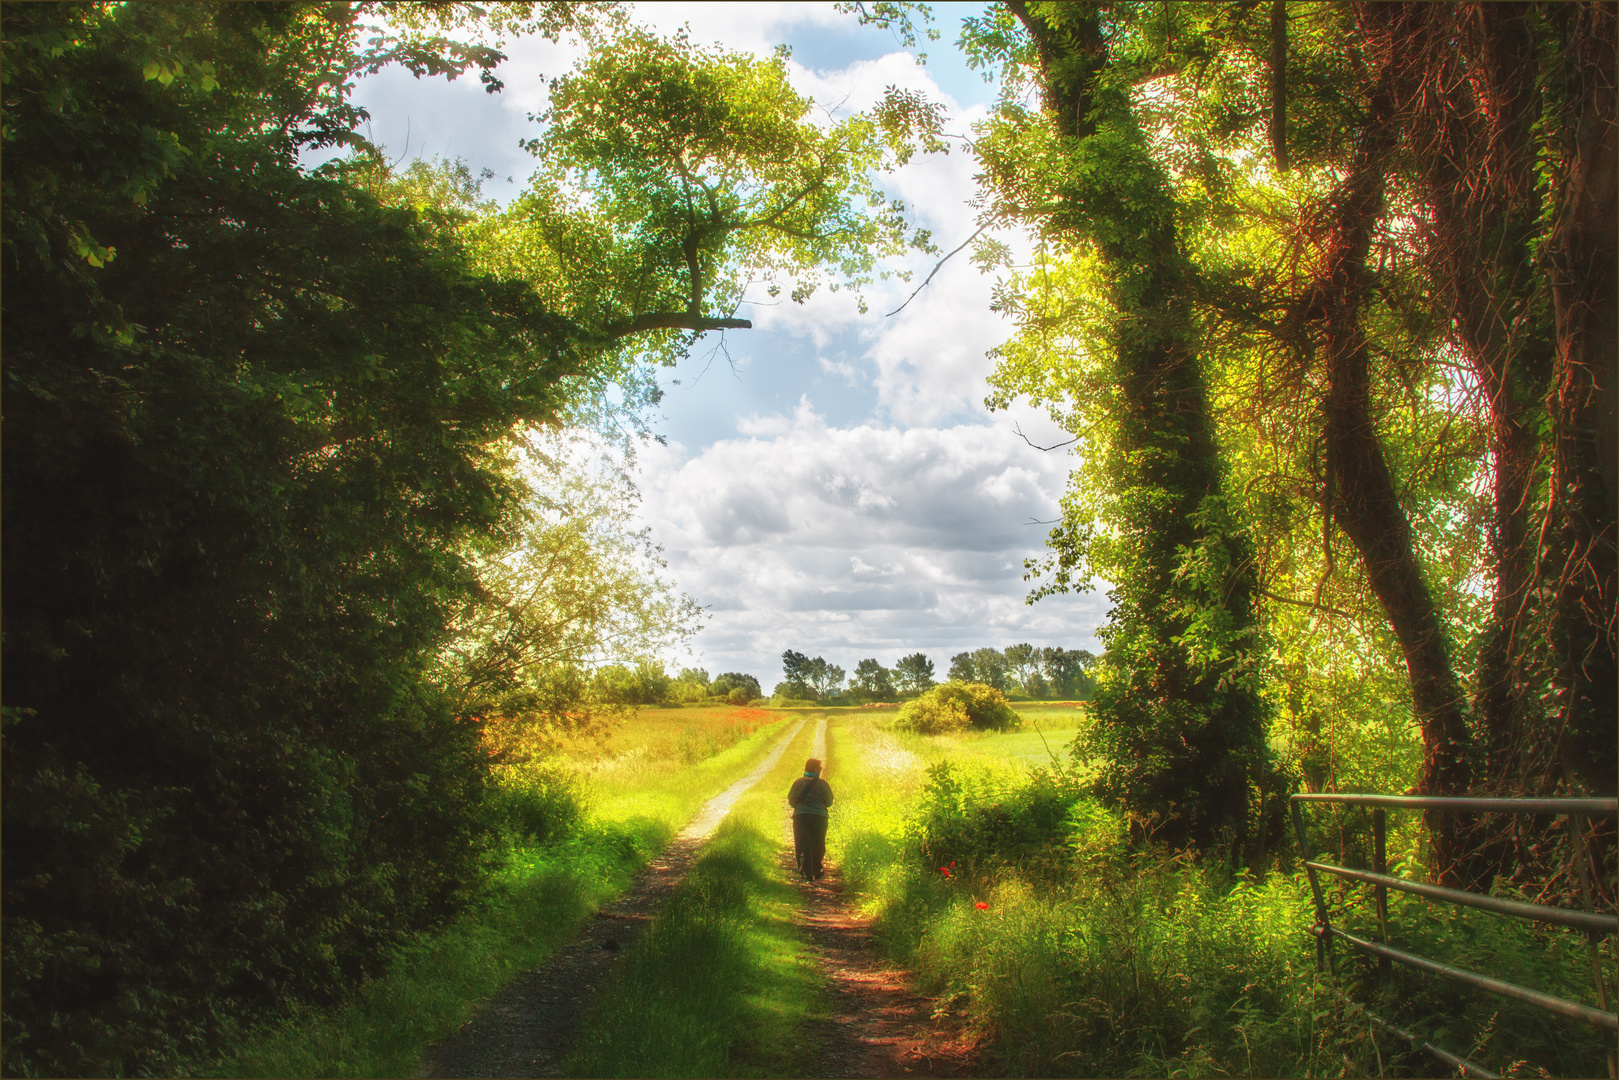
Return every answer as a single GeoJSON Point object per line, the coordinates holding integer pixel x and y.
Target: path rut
{"type": "Point", "coordinates": [527, 1027]}
{"type": "Point", "coordinates": [879, 1026]}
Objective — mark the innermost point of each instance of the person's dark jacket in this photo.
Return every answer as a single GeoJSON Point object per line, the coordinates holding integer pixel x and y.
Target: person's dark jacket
{"type": "Point", "coordinates": [810, 795]}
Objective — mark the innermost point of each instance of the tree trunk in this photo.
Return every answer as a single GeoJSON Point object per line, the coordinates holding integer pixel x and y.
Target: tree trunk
{"type": "Point", "coordinates": [1580, 555]}
{"type": "Point", "coordinates": [1183, 726]}
{"type": "Point", "coordinates": [1466, 93]}
{"type": "Point", "coordinates": [1363, 497]}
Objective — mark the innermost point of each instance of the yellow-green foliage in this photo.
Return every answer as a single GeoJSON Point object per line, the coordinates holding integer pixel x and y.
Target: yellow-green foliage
{"type": "Point", "coordinates": [955, 706]}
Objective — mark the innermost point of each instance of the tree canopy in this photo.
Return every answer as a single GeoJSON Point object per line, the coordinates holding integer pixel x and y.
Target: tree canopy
{"type": "Point", "coordinates": [273, 564]}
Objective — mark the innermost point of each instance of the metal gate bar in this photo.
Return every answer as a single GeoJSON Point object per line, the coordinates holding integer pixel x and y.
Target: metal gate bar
{"type": "Point", "coordinates": [1461, 1064]}
{"type": "Point", "coordinates": [1589, 921]}
{"type": "Point", "coordinates": [1572, 1010]}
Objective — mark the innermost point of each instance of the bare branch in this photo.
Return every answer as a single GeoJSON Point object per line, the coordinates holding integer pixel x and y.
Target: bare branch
{"type": "Point", "coordinates": [674, 320]}
{"type": "Point", "coordinates": [937, 267]}
{"type": "Point", "coordinates": [1019, 432]}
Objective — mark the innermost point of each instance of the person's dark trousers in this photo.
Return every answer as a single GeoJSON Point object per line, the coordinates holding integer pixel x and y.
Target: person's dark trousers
{"type": "Point", "coordinates": [809, 843]}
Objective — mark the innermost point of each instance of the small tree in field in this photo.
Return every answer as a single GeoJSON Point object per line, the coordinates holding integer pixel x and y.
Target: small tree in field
{"type": "Point", "coordinates": [872, 680]}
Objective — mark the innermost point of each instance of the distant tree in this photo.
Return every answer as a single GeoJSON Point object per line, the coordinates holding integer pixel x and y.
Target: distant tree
{"type": "Point", "coordinates": [732, 680]}
{"type": "Point", "coordinates": [795, 667]}
{"type": "Point", "coordinates": [872, 680]}
{"type": "Point", "coordinates": [826, 678]}
{"type": "Point", "coordinates": [1022, 661]}
{"type": "Point", "coordinates": [989, 668]}
{"type": "Point", "coordinates": [797, 676]}
{"type": "Point", "coordinates": [644, 684]}
{"type": "Point", "coordinates": [1068, 671]}
{"type": "Point", "coordinates": [914, 673]}
{"type": "Point", "coordinates": [1036, 686]}
{"type": "Point", "coordinates": [961, 668]}
{"type": "Point", "coordinates": [696, 676]}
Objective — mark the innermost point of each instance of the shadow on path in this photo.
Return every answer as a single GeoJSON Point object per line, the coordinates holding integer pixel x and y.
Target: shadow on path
{"type": "Point", "coordinates": [528, 1026]}
{"type": "Point", "coordinates": [878, 1026]}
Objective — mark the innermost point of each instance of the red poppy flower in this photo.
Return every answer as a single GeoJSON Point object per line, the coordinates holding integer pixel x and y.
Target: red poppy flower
{"type": "Point", "coordinates": [981, 906]}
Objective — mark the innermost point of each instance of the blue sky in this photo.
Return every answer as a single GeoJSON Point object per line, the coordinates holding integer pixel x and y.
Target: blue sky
{"type": "Point", "coordinates": [830, 482]}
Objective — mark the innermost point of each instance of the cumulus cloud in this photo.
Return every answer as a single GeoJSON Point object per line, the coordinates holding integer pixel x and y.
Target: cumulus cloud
{"type": "Point", "coordinates": [867, 540]}
{"type": "Point", "coordinates": [904, 525]}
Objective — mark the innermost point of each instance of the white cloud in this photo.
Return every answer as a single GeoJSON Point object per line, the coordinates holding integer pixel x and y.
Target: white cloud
{"type": "Point", "coordinates": [860, 541]}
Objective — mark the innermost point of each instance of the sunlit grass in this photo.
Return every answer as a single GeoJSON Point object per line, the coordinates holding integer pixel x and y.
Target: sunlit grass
{"type": "Point", "coordinates": [539, 900]}
{"type": "Point", "coordinates": [720, 984]}
{"type": "Point", "coordinates": [1100, 961]}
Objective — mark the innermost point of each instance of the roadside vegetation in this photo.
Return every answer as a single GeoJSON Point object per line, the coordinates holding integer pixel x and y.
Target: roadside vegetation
{"type": "Point", "coordinates": [1028, 910]}
{"type": "Point", "coordinates": [331, 632]}
{"type": "Point", "coordinates": [575, 832]}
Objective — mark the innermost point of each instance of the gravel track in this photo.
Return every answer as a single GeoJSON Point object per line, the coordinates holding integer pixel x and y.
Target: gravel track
{"type": "Point", "coordinates": [528, 1026]}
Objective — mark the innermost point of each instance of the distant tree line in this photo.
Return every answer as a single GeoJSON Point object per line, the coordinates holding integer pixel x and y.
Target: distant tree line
{"type": "Point", "coordinates": [1027, 670]}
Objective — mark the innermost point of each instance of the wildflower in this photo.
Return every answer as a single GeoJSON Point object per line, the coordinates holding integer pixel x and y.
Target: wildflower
{"type": "Point", "coordinates": [981, 906]}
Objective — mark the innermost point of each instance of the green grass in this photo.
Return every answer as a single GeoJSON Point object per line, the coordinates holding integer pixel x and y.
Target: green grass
{"type": "Point", "coordinates": [537, 905]}
{"type": "Point", "coordinates": [1089, 959]}
{"type": "Point", "coordinates": [720, 984]}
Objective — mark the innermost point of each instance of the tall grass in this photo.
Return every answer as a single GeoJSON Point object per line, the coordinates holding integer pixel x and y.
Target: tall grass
{"type": "Point", "coordinates": [720, 984]}
{"type": "Point", "coordinates": [1088, 958]}
{"type": "Point", "coordinates": [578, 833]}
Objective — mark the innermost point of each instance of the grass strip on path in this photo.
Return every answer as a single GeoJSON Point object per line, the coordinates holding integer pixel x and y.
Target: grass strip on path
{"type": "Point", "coordinates": [721, 983]}
{"type": "Point", "coordinates": [538, 905]}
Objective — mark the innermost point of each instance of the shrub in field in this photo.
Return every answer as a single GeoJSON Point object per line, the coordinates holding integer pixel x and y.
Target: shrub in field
{"type": "Point", "coordinates": [955, 706]}
{"type": "Point", "coordinates": [931, 715]}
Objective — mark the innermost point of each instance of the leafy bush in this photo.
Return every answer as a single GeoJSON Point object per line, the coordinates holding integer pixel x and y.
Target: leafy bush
{"type": "Point", "coordinates": [538, 802]}
{"type": "Point", "coordinates": [979, 819]}
{"type": "Point", "coordinates": [954, 707]}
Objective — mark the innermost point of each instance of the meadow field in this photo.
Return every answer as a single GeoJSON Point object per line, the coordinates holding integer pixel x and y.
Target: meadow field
{"type": "Point", "coordinates": [1019, 904]}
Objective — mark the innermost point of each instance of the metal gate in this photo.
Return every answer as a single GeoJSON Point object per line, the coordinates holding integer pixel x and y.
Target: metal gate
{"type": "Point", "coordinates": [1591, 922]}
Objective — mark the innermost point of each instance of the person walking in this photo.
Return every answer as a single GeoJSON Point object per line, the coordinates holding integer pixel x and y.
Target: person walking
{"type": "Point", "coordinates": [810, 797]}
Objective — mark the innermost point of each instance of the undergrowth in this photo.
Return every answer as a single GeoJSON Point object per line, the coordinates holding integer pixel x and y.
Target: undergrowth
{"type": "Point", "coordinates": [574, 841]}
{"type": "Point", "coordinates": [1021, 905]}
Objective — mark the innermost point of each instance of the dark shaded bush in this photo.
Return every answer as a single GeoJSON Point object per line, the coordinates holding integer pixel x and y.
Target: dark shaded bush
{"type": "Point", "coordinates": [248, 412]}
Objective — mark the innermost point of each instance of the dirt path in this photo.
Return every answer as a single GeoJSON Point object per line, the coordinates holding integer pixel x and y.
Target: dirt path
{"type": "Point", "coordinates": [879, 1027]}
{"type": "Point", "coordinates": [527, 1028]}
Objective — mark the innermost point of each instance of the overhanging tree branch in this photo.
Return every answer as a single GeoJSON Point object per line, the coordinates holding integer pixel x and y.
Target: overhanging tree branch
{"type": "Point", "coordinates": [674, 320]}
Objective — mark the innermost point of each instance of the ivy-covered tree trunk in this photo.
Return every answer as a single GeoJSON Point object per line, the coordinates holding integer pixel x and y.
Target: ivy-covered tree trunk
{"type": "Point", "coordinates": [1180, 720]}
{"type": "Point", "coordinates": [1465, 90]}
{"type": "Point", "coordinates": [1361, 491]}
